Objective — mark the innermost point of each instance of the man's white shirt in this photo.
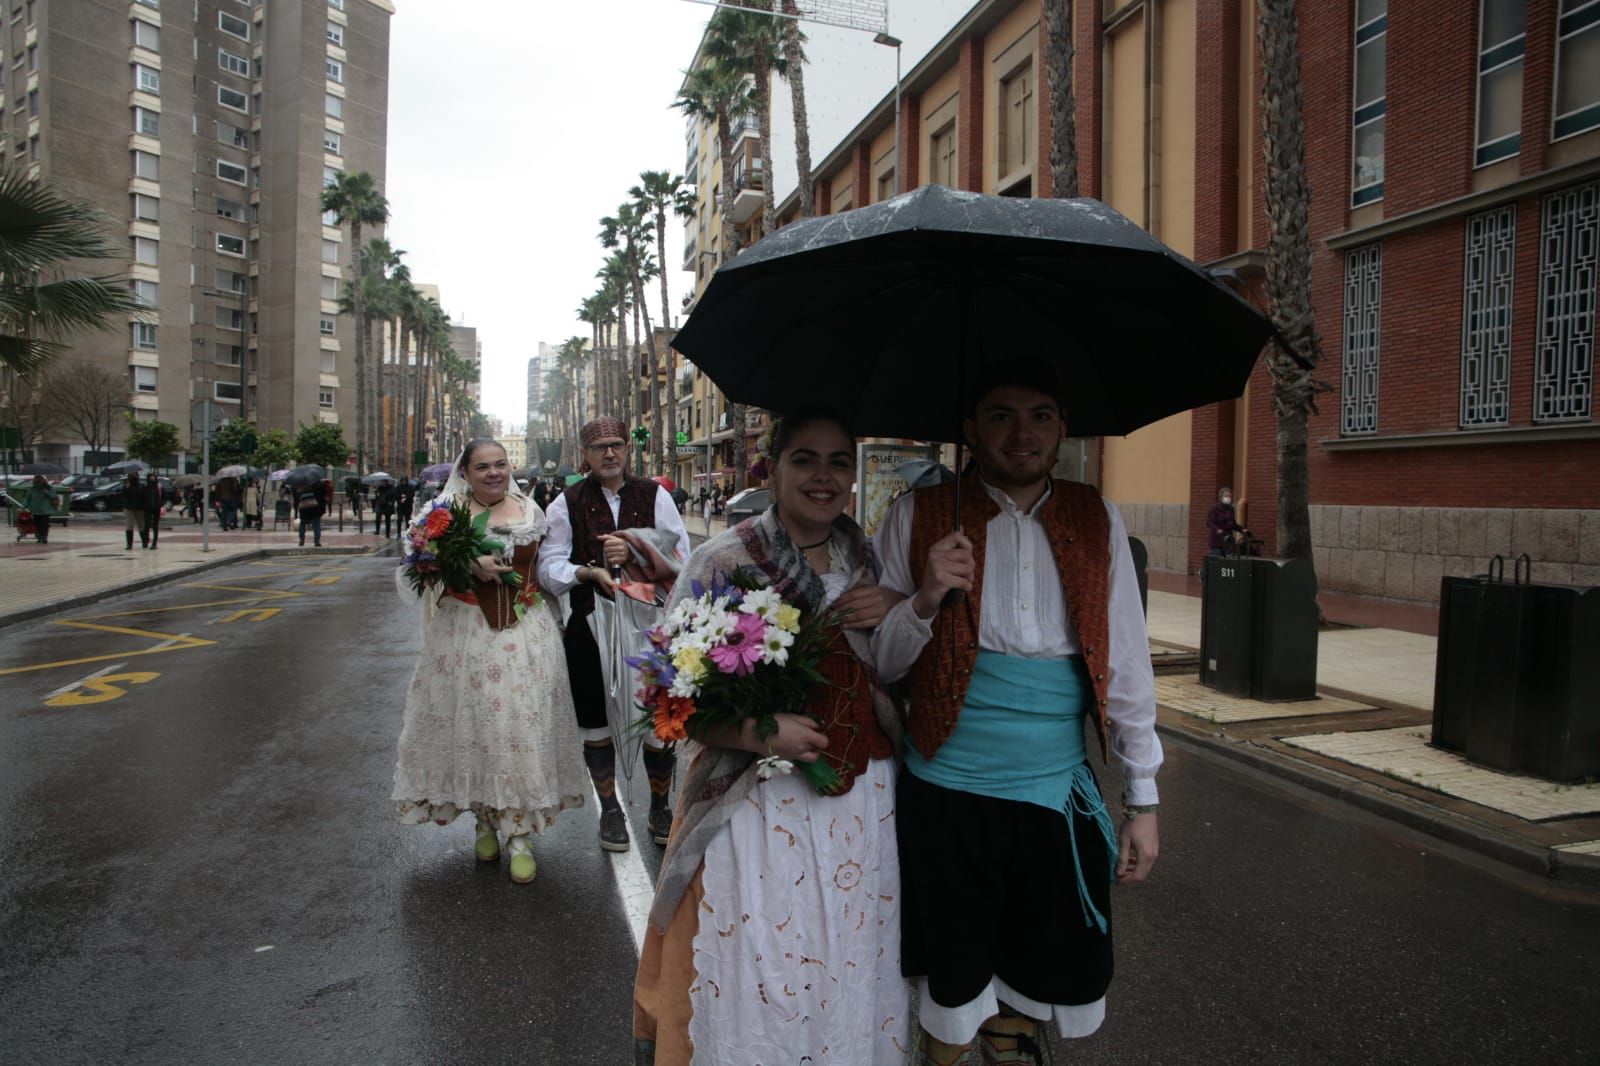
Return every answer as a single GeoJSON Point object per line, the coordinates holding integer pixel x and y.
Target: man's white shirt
{"type": "Point", "coordinates": [558, 573]}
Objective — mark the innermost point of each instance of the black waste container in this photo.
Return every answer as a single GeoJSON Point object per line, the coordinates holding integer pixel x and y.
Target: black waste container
{"type": "Point", "coordinates": [1561, 735]}
{"type": "Point", "coordinates": [1258, 628]}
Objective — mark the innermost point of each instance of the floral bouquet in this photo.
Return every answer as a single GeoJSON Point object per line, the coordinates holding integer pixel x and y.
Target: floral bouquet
{"type": "Point", "coordinates": [735, 651]}
{"type": "Point", "coordinates": [441, 544]}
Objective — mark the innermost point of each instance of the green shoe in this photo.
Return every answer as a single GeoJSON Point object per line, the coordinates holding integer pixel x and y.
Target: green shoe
{"type": "Point", "coordinates": [487, 845]}
{"type": "Point", "coordinates": [522, 865]}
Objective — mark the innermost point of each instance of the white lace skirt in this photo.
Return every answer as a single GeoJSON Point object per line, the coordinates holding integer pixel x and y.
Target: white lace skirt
{"type": "Point", "coordinates": [798, 948]}
{"type": "Point", "coordinates": [489, 724]}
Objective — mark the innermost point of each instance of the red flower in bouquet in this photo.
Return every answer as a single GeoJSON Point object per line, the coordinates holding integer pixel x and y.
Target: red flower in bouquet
{"type": "Point", "coordinates": [671, 715]}
{"type": "Point", "coordinates": [438, 521]}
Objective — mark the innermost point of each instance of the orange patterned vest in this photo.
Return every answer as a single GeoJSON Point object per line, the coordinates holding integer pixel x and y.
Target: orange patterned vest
{"type": "Point", "coordinates": [843, 707]}
{"type": "Point", "coordinates": [1079, 531]}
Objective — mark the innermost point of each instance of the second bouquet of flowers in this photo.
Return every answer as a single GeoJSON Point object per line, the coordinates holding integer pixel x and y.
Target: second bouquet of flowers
{"type": "Point", "coordinates": [441, 544]}
{"type": "Point", "coordinates": [735, 651]}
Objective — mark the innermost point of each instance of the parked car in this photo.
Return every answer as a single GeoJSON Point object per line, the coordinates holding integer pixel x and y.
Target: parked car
{"type": "Point", "coordinates": [747, 504]}
{"type": "Point", "coordinates": [104, 495]}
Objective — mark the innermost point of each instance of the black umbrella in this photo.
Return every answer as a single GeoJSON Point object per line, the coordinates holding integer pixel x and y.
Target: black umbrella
{"type": "Point", "coordinates": [302, 476]}
{"type": "Point", "coordinates": [890, 312]}
{"type": "Point", "coordinates": [47, 469]}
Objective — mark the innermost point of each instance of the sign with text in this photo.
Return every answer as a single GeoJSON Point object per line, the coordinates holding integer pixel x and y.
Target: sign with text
{"type": "Point", "coordinates": [878, 481]}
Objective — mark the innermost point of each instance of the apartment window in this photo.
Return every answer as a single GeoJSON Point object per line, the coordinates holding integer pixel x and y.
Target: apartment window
{"type": "Point", "coordinates": [1563, 349]}
{"type": "Point", "coordinates": [332, 142]}
{"type": "Point", "coordinates": [330, 251]}
{"type": "Point", "coordinates": [33, 103]}
{"type": "Point", "coordinates": [230, 134]}
{"type": "Point", "coordinates": [325, 325]}
{"type": "Point", "coordinates": [332, 106]}
{"type": "Point", "coordinates": [885, 186]}
{"type": "Point", "coordinates": [230, 209]}
{"type": "Point", "coordinates": [1577, 105]}
{"type": "Point", "coordinates": [336, 34]}
{"type": "Point", "coordinates": [1363, 288]}
{"type": "Point", "coordinates": [228, 244]}
{"type": "Point", "coordinates": [146, 208]}
{"type": "Point", "coordinates": [334, 69]}
{"type": "Point", "coordinates": [233, 64]}
{"type": "Point", "coordinates": [330, 218]}
{"type": "Point", "coordinates": [339, 4]}
{"type": "Point", "coordinates": [146, 79]}
{"type": "Point", "coordinates": [33, 148]}
{"type": "Point", "coordinates": [147, 122]}
{"type": "Point", "coordinates": [231, 280]}
{"type": "Point", "coordinates": [229, 355]}
{"type": "Point", "coordinates": [33, 57]}
{"type": "Point", "coordinates": [330, 362]}
{"type": "Point", "coordinates": [1500, 45]}
{"type": "Point", "coordinates": [1372, 44]}
{"type": "Point", "coordinates": [146, 36]}
{"type": "Point", "coordinates": [144, 336]}
{"type": "Point", "coordinates": [147, 165]}
{"type": "Point", "coordinates": [944, 156]}
{"type": "Point", "coordinates": [144, 379]}
{"type": "Point", "coordinates": [146, 293]}
{"type": "Point", "coordinates": [1019, 119]}
{"type": "Point", "coordinates": [146, 251]}
{"type": "Point", "coordinates": [330, 176]}
{"type": "Point", "coordinates": [227, 391]}
{"type": "Point", "coordinates": [228, 318]}
{"type": "Point", "coordinates": [154, 5]}
{"type": "Point", "coordinates": [324, 397]}
{"type": "Point", "coordinates": [1486, 318]}
{"type": "Point", "coordinates": [232, 24]}
{"type": "Point", "coordinates": [233, 98]}
{"type": "Point", "coordinates": [330, 288]}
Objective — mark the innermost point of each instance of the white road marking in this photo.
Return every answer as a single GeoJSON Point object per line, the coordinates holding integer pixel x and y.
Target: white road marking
{"type": "Point", "coordinates": [634, 886]}
{"type": "Point", "coordinates": [70, 685]}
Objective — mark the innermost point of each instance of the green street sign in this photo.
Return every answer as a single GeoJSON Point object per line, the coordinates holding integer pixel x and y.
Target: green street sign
{"type": "Point", "coordinates": [683, 438]}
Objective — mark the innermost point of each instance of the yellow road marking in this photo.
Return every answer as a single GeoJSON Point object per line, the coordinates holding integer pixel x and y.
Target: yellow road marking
{"type": "Point", "coordinates": [100, 689]}
{"type": "Point", "coordinates": [322, 580]}
{"type": "Point", "coordinates": [259, 614]}
{"type": "Point", "coordinates": [168, 642]}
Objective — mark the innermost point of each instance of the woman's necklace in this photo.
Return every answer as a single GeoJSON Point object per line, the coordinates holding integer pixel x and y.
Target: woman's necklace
{"type": "Point", "coordinates": [480, 503]}
{"type": "Point", "coordinates": [818, 544]}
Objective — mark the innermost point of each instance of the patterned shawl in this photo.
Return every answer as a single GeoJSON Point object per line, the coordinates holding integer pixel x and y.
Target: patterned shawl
{"type": "Point", "coordinates": [719, 779]}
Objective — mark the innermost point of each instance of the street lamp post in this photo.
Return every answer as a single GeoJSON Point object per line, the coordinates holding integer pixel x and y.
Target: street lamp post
{"type": "Point", "coordinates": [894, 42]}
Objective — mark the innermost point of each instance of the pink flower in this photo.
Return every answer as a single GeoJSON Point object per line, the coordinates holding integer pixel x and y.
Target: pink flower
{"type": "Point", "coordinates": [742, 648]}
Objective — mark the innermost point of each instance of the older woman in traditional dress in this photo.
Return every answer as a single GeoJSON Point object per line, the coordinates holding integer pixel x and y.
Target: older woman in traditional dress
{"type": "Point", "coordinates": [488, 720]}
{"type": "Point", "coordinates": [775, 931]}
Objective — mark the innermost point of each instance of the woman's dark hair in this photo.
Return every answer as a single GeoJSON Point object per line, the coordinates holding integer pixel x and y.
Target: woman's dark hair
{"type": "Point", "coordinates": [1020, 372]}
{"type": "Point", "coordinates": [788, 425]}
{"type": "Point", "coordinates": [473, 445]}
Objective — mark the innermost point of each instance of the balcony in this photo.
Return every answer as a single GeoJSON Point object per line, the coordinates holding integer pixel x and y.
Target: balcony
{"type": "Point", "coordinates": [748, 185]}
{"type": "Point", "coordinates": [691, 250]}
{"type": "Point", "coordinates": [744, 126]}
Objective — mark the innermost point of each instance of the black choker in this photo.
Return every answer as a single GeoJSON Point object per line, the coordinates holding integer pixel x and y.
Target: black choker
{"type": "Point", "coordinates": [818, 544]}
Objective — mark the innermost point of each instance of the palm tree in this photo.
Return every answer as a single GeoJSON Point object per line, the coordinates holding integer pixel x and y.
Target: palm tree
{"type": "Point", "coordinates": [794, 62]}
{"type": "Point", "coordinates": [628, 230]}
{"type": "Point", "coordinates": [41, 309]}
{"type": "Point", "coordinates": [617, 275]}
{"type": "Point", "coordinates": [380, 307]}
{"type": "Point", "coordinates": [749, 42]}
{"type": "Point", "coordinates": [716, 94]}
{"type": "Point", "coordinates": [656, 192]}
{"type": "Point", "coordinates": [1294, 385]}
{"type": "Point", "coordinates": [355, 200]}
{"type": "Point", "coordinates": [1063, 106]}
{"type": "Point", "coordinates": [407, 301]}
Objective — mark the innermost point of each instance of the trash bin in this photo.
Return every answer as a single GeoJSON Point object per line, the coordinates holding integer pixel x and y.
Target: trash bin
{"type": "Point", "coordinates": [1258, 628]}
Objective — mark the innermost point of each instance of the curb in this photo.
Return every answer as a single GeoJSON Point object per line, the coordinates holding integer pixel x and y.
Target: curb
{"type": "Point", "coordinates": [1451, 828]}
{"type": "Point", "coordinates": [140, 584]}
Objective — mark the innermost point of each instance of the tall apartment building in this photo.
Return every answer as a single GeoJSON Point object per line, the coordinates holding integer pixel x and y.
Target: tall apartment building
{"type": "Point", "coordinates": [207, 129]}
{"type": "Point", "coordinates": [538, 365]}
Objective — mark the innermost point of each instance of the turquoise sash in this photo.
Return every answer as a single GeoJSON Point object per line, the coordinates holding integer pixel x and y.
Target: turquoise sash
{"type": "Point", "coordinates": [1020, 737]}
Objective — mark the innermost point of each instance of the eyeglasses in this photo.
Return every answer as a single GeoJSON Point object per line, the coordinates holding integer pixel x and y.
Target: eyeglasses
{"type": "Point", "coordinates": [606, 447]}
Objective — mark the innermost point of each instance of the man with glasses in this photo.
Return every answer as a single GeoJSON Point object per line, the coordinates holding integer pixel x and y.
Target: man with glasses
{"type": "Point", "coordinates": [577, 556]}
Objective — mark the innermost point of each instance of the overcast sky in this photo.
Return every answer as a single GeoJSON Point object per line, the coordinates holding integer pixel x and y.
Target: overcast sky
{"type": "Point", "coordinates": [514, 126]}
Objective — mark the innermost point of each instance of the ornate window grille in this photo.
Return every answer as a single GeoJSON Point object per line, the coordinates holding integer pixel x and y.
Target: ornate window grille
{"type": "Point", "coordinates": [1563, 382]}
{"type": "Point", "coordinates": [1363, 289]}
{"type": "Point", "coordinates": [1486, 318]}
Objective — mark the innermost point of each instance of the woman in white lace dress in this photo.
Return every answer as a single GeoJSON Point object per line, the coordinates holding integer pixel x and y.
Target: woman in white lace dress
{"type": "Point", "coordinates": [489, 725]}
{"type": "Point", "coordinates": [774, 937]}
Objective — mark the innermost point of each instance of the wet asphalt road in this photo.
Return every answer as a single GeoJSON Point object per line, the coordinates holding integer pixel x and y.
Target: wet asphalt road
{"type": "Point", "coordinates": [205, 868]}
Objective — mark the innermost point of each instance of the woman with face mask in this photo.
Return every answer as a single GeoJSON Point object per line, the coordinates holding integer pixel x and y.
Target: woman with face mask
{"type": "Point", "coordinates": [1222, 525]}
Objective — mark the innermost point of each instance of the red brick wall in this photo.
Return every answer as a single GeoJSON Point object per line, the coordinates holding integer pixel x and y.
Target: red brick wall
{"type": "Point", "coordinates": [1431, 84]}
{"type": "Point", "coordinates": [969, 115]}
{"type": "Point", "coordinates": [1216, 141]}
{"type": "Point", "coordinates": [822, 191]}
{"type": "Point", "coordinates": [1538, 84]}
{"type": "Point", "coordinates": [910, 163]}
{"type": "Point", "coordinates": [1088, 75]}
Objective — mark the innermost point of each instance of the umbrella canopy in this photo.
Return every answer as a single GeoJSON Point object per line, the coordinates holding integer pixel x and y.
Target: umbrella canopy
{"type": "Point", "coordinates": [566, 472]}
{"type": "Point", "coordinates": [235, 470]}
{"type": "Point", "coordinates": [525, 473]}
{"type": "Point", "coordinates": [665, 482]}
{"type": "Point", "coordinates": [922, 473]}
{"type": "Point", "coordinates": [301, 476]}
{"type": "Point", "coordinates": [136, 465]}
{"type": "Point", "coordinates": [378, 478]}
{"type": "Point", "coordinates": [890, 312]}
{"type": "Point", "coordinates": [47, 469]}
{"type": "Point", "coordinates": [438, 473]}
{"type": "Point", "coordinates": [186, 481]}
{"type": "Point", "coordinates": [277, 475]}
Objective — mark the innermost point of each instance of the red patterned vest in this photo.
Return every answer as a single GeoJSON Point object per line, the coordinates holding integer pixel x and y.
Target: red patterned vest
{"type": "Point", "coordinates": [1079, 531]}
{"type": "Point", "coordinates": [590, 517]}
{"type": "Point", "coordinates": [843, 706]}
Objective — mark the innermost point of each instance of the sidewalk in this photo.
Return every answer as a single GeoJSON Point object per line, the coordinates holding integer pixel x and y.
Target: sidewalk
{"type": "Point", "coordinates": [1365, 739]}
{"type": "Point", "coordinates": [87, 560]}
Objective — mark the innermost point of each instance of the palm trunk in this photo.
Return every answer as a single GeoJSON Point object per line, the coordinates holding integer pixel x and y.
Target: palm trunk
{"type": "Point", "coordinates": [1294, 388]}
{"type": "Point", "coordinates": [670, 452]}
{"type": "Point", "coordinates": [725, 148]}
{"type": "Point", "coordinates": [1063, 104]}
{"type": "Point", "coordinates": [620, 398]}
{"type": "Point", "coordinates": [763, 76]}
{"type": "Point", "coordinates": [797, 96]}
{"type": "Point", "coordinates": [358, 304]}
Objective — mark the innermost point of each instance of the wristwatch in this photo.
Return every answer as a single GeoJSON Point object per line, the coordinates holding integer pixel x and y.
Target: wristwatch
{"type": "Point", "coordinates": [1131, 809]}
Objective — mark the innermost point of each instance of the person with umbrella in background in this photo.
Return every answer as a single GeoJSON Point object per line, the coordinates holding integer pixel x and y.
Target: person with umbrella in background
{"type": "Point", "coordinates": [312, 495]}
{"type": "Point", "coordinates": [383, 509]}
{"type": "Point", "coordinates": [252, 503]}
{"type": "Point", "coordinates": [154, 498]}
{"type": "Point", "coordinates": [405, 496]}
{"type": "Point", "coordinates": [1007, 850]}
{"type": "Point", "coordinates": [39, 499]}
{"type": "Point", "coordinates": [133, 517]}
{"type": "Point", "coordinates": [576, 558]}
{"type": "Point", "coordinates": [226, 495]}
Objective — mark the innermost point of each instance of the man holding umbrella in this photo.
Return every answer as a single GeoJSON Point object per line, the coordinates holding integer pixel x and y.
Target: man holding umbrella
{"type": "Point", "coordinates": [577, 556]}
{"type": "Point", "coordinates": [1007, 850]}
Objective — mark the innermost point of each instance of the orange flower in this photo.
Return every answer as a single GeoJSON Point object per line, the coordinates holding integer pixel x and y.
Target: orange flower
{"type": "Point", "coordinates": [670, 715]}
{"type": "Point", "coordinates": [437, 523]}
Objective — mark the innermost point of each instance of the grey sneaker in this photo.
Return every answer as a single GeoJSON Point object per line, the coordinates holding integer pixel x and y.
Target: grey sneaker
{"type": "Point", "coordinates": [661, 824]}
{"type": "Point", "coordinates": [614, 830]}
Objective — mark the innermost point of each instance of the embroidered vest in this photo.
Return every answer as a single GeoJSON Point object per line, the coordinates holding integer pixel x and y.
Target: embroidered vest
{"type": "Point", "coordinates": [1079, 531]}
{"type": "Point", "coordinates": [590, 516]}
{"type": "Point", "coordinates": [843, 704]}
{"type": "Point", "coordinates": [497, 600]}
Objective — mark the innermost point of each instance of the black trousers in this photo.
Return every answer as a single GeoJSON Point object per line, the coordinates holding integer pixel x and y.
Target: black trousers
{"type": "Point", "coordinates": [41, 533]}
{"type": "Point", "coordinates": [583, 668]}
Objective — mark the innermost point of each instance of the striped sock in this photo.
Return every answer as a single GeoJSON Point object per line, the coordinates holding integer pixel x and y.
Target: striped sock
{"type": "Point", "coordinates": [658, 767]}
{"type": "Point", "coordinates": [601, 758]}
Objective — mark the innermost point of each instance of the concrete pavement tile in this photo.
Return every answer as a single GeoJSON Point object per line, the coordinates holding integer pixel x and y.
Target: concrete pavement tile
{"type": "Point", "coordinates": [1586, 847]}
{"type": "Point", "coordinates": [1186, 694]}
